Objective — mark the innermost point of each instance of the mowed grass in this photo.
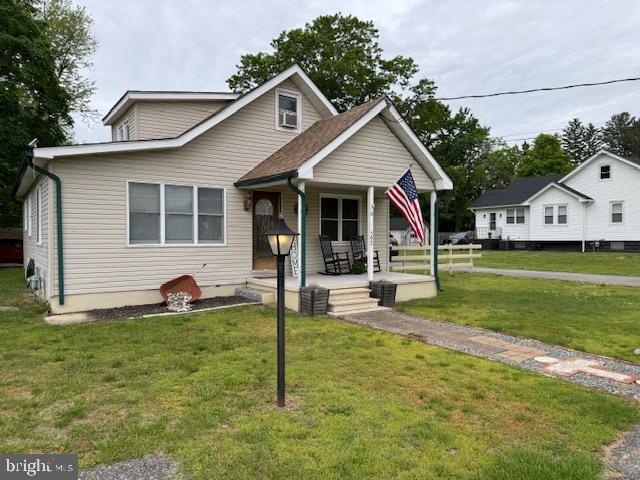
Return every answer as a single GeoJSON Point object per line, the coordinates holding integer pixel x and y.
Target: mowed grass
{"type": "Point", "coordinates": [362, 403]}
{"type": "Point", "coordinates": [593, 318]}
{"type": "Point", "coordinates": [611, 263]}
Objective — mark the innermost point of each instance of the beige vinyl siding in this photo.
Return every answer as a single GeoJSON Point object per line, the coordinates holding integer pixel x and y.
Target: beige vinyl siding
{"type": "Point", "coordinates": [315, 262]}
{"type": "Point", "coordinates": [130, 118]}
{"type": "Point", "coordinates": [371, 157]}
{"type": "Point", "coordinates": [39, 252]}
{"type": "Point", "coordinates": [97, 258]}
{"type": "Point", "coordinates": [171, 118]}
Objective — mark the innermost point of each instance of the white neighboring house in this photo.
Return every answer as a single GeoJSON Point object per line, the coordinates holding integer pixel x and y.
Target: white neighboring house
{"type": "Point", "coordinates": [599, 201]}
{"type": "Point", "coordinates": [400, 229]}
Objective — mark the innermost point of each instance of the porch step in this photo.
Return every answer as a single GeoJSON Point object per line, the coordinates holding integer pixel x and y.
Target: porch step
{"type": "Point", "coordinates": [357, 310]}
{"type": "Point", "coordinates": [256, 294]}
{"type": "Point", "coordinates": [360, 304]}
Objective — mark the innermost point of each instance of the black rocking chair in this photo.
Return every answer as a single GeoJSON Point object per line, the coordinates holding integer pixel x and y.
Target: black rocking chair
{"type": "Point", "coordinates": [334, 263]}
{"type": "Point", "coordinates": [359, 250]}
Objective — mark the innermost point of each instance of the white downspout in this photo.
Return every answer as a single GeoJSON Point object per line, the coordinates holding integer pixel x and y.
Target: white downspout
{"type": "Point", "coordinates": [370, 234]}
{"type": "Point", "coordinates": [432, 234]}
{"type": "Point", "coordinates": [301, 185]}
{"type": "Point", "coordinates": [584, 226]}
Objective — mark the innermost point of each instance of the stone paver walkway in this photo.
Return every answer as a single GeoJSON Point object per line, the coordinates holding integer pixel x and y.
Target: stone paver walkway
{"type": "Point", "coordinates": [603, 373]}
{"type": "Point", "coordinates": [620, 280]}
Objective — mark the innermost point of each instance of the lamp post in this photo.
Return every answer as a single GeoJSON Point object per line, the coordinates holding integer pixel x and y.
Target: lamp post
{"type": "Point", "coordinates": [280, 238]}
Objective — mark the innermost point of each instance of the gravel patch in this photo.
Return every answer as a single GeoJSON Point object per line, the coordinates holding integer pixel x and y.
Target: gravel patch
{"type": "Point", "coordinates": [622, 459]}
{"type": "Point", "coordinates": [153, 467]}
{"type": "Point", "coordinates": [135, 311]}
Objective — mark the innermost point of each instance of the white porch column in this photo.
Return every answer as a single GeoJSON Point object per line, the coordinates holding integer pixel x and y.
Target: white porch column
{"type": "Point", "coordinates": [433, 243]}
{"type": "Point", "coordinates": [370, 235]}
{"type": "Point", "coordinates": [584, 226]}
{"type": "Point", "coordinates": [301, 185]}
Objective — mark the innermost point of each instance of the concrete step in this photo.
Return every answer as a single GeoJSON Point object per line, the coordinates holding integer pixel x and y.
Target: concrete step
{"type": "Point", "coordinates": [256, 294]}
{"type": "Point", "coordinates": [349, 291]}
{"type": "Point", "coordinates": [357, 310]}
{"type": "Point", "coordinates": [350, 305]}
{"type": "Point", "coordinates": [349, 296]}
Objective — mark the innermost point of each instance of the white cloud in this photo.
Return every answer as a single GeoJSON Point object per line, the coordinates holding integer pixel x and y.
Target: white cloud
{"type": "Point", "coordinates": [467, 47]}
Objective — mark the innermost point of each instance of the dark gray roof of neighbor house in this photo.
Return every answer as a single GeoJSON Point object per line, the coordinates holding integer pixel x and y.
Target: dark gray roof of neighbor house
{"type": "Point", "coordinates": [398, 223]}
{"type": "Point", "coordinates": [516, 192]}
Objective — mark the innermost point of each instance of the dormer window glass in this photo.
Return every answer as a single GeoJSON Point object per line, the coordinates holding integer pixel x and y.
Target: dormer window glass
{"type": "Point", "coordinates": [287, 110]}
{"type": "Point", "coordinates": [605, 172]}
{"type": "Point", "coordinates": [122, 134]}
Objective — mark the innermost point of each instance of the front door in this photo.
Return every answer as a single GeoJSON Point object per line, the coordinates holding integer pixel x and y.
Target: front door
{"type": "Point", "coordinates": [265, 212]}
{"type": "Point", "coordinates": [492, 221]}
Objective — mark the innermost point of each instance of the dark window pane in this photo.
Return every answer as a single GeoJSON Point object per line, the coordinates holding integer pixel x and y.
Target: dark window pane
{"type": "Point", "coordinates": [144, 197]}
{"type": "Point", "coordinates": [287, 104]}
{"type": "Point", "coordinates": [210, 229]}
{"type": "Point", "coordinates": [178, 228]}
{"type": "Point", "coordinates": [178, 199]}
{"type": "Point", "coordinates": [329, 227]}
{"type": "Point", "coordinates": [210, 200]}
{"type": "Point", "coordinates": [349, 209]}
{"type": "Point", "coordinates": [605, 171]}
{"type": "Point", "coordinates": [144, 228]}
{"type": "Point", "coordinates": [329, 208]}
{"type": "Point", "coordinates": [349, 229]}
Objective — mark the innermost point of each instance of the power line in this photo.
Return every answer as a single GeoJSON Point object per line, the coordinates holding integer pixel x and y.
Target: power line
{"type": "Point", "coordinates": [544, 89]}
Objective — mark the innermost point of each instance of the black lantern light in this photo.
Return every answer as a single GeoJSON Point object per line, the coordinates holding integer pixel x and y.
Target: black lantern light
{"type": "Point", "coordinates": [280, 238]}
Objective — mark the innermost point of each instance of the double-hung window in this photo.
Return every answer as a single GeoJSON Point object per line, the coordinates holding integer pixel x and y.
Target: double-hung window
{"type": "Point", "coordinates": [548, 215]}
{"type": "Point", "coordinates": [605, 172]}
{"type": "Point", "coordinates": [340, 218]}
{"type": "Point", "coordinates": [164, 214]}
{"type": "Point", "coordinates": [287, 110]}
{"type": "Point", "coordinates": [515, 215]}
{"type": "Point", "coordinates": [122, 133]}
{"type": "Point", "coordinates": [562, 214]}
{"type": "Point", "coordinates": [616, 212]}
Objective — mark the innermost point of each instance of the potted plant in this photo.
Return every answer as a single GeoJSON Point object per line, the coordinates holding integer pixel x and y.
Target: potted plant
{"type": "Point", "coordinates": [385, 291]}
{"type": "Point", "coordinates": [314, 300]}
{"type": "Point", "coordinates": [358, 267]}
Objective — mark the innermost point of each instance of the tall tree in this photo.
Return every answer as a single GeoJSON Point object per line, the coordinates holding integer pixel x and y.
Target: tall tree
{"type": "Point", "coordinates": [621, 135]}
{"type": "Point", "coordinates": [544, 157]}
{"type": "Point", "coordinates": [592, 141]}
{"type": "Point", "coordinates": [32, 100]}
{"type": "Point", "coordinates": [340, 53]}
{"type": "Point", "coordinates": [68, 28]}
{"type": "Point", "coordinates": [499, 166]}
{"type": "Point", "coordinates": [573, 140]}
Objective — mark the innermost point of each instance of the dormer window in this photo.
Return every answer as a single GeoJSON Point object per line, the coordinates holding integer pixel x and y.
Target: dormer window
{"type": "Point", "coordinates": [605, 172]}
{"type": "Point", "coordinates": [287, 110]}
{"type": "Point", "coordinates": [122, 133]}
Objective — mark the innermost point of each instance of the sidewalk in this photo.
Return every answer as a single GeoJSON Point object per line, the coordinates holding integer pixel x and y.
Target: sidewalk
{"type": "Point", "coordinates": [621, 280]}
{"type": "Point", "coordinates": [593, 371]}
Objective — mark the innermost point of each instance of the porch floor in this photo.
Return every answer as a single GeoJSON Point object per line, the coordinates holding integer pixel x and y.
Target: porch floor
{"type": "Point", "coordinates": [340, 281]}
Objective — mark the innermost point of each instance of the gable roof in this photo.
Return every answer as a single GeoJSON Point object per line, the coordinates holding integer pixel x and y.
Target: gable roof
{"type": "Point", "coordinates": [565, 188]}
{"type": "Point", "coordinates": [634, 162]}
{"type": "Point", "coordinates": [132, 96]}
{"type": "Point", "coordinates": [308, 87]}
{"type": "Point", "coordinates": [517, 192]}
{"type": "Point", "coordinates": [304, 146]}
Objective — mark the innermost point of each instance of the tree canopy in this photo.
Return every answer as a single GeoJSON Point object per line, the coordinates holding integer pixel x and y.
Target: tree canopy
{"type": "Point", "coordinates": [340, 53]}
{"type": "Point", "coordinates": [544, 157]}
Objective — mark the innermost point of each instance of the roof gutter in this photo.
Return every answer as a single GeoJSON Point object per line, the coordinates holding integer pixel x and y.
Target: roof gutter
{"type": "Point", "coordinates": [263, 180]}
{"type": "Point", "coordinates": [28, 163]}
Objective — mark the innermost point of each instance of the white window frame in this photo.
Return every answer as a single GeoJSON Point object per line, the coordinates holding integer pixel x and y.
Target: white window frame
{"type": "Point", "coordinates": [611, 204]}
{"type": "Point", "coordinates": [29, 215]}
{"type": "Point", "coordinates": [25, 215]}
{"type": "Point", "coordinates": [544, 215]}
{"type": "Point", "coordinates": [524, 216]}
{"type": "Point", "coordinates": [298, 97]}
{"type": "Point", "coordinates": [196, 242]}
{"type": "Point", "coordinates": [513, 216]}
{"type": "Point", "coordinates": [120, 132]}
{"type": "Point", "coordinates": [600, 171]}
{"type": "Point", "coordinates": [566, 214]}
{"type": "Point", "coordinates": [39, 216]}
{"type": "Point", "coordinates": [340, 197]}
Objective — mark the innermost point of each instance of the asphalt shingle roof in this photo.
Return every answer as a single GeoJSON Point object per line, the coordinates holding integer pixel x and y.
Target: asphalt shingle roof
{"type": "Point", "coordinates": [517, 192]}
{"type": "Point", "coordinates": [308, 143]}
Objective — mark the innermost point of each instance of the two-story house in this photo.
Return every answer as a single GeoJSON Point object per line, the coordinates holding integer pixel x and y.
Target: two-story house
{"type": "Point", "coordinates": [195, 177]}
{"type": "Point", "coordinates": [597, 205]}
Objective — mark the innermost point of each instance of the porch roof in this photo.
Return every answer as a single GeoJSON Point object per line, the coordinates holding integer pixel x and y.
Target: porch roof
{"type": "Point", "coordinates": [304, 146]}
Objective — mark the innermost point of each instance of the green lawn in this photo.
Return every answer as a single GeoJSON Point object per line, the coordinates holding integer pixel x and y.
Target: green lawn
{"type": "Point", "coordinates": [588, 262]}
{"type": "Point", "coordinates": [593, 318]}
{"type": "Point", "coordinates": [364, 404]}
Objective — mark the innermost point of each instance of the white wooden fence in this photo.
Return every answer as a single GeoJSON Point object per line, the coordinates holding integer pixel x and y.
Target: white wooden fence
{"type": "Point", "coordinates": [450, 257]}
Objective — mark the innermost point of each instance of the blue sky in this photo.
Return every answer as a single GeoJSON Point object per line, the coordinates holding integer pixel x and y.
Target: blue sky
{"type": "Point", "coordinates": [467, 47]}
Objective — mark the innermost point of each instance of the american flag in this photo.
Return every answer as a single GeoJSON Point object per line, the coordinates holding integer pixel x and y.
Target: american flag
{"type": "Point", "coordinates": [404, 195]}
